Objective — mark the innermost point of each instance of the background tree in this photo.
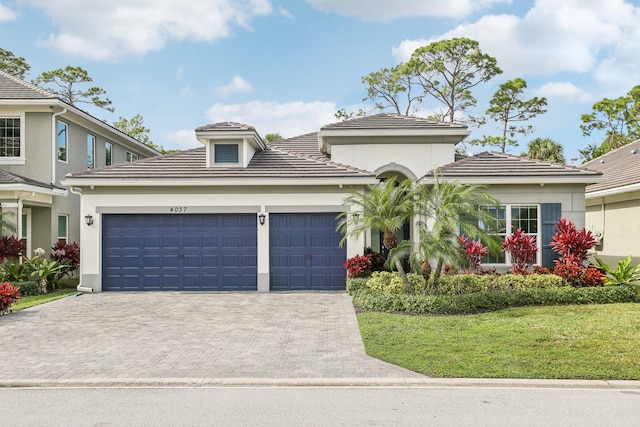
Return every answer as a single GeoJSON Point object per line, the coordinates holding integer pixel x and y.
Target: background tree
{"type": "Point", "coordinates": [135, 128]}
{"type": "Point", "coordinates": [545, 149]}
{"type": "Point", "coordinates": [64, 82]}
{"type": "Point", "coordinates": [393, 88]}
{"type": "Point", "coordinates": [618, 118]}
{"type": "Point", "coordinates": [15, 65]}
{"type": "Point", "coordinates": [386, 207]}
{"type": "Point", "coordinates": [509, 110]}
{"type": "Point", "coordinates": [271, 137]}
{"type": "Point", "coordinates": [447, 70]}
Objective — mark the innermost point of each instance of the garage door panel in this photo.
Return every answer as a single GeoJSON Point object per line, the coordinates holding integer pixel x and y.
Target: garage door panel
{"type": "Point", "coordinates": [305, 252]}
{"type": "Point", "coordinates": [173, 252]}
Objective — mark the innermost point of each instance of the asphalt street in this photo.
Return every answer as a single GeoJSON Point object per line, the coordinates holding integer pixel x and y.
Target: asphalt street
{"type": "Point", "coordinates": [320, 406]}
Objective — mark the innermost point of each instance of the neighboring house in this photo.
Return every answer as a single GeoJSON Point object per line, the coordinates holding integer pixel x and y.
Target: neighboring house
{"type": "Point", "coordinates": [613, 205]}
{"type": "Point", "coordinates": [41, 140]}
{"type": "Point", "coordinates": [238, 214]}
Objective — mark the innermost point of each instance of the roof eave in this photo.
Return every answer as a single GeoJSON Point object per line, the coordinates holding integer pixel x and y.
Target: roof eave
{"type": "Point", "coordinates": [512, 179]}
{"type": "Point", "coordinates": [612, 191]}
{"type": "Point", "coordinates": [28, 188]}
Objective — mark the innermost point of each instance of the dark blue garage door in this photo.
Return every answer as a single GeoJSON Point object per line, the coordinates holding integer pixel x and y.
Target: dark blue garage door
{"type": "Point", "coordinates": [305, 252]}
{"type": "Point", "coordinates": [179, 252]}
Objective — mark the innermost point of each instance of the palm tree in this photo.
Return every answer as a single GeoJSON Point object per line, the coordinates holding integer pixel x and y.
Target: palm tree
{"type": "Point", "coordinates": [447, 209]}
{"type": "Point", "coordinates": [545, 149]}
{"type": "Point", "coordinates": [387, 207]}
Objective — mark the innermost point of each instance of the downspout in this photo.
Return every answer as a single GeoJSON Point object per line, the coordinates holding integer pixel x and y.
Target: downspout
{"type": "Point", "coordinates": [54, 134]}
{"type": "Point", "coordinates": [80, 288]}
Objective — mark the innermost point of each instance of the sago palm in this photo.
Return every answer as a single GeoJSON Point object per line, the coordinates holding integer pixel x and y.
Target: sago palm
{"type": "Point", "coordinates": [386, 207]}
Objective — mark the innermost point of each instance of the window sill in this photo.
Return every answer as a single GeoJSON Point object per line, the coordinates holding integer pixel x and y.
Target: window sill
{"type": "Point", "coordinates": [12, 161]}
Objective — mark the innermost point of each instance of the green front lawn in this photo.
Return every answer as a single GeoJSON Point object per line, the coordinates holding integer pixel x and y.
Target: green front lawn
{"type": "Point", "coordinates": [26, 302]}
{"type": "Point", "coordinates": [575, 341]}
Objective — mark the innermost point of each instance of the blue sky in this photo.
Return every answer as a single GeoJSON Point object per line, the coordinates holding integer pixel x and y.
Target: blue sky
{"type": "Point", "coordinates": [287, 66]}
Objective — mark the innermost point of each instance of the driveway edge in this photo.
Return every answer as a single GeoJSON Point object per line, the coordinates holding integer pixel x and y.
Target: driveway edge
{"type": "Point", "coordinates": [322, 382]}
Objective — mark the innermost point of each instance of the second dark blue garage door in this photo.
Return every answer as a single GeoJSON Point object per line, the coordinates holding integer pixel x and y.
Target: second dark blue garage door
{"type": "Point", "coordinates": [305, 252]}
{"type": "Point", "coordinates": [179, 252]}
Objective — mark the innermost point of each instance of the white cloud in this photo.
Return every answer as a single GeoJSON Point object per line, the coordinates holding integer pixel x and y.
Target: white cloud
{"type": "Point", "coordinates": [237, 85]}
{"type": "Point", "coordinates": [384, 10]}
{"type": "Point", "coordinates": [180, 72]}
{"type": "Point", "coordinates": [7, 14]}
{"type": "Point", "coordinates": [186, 91]}
{"type": "Point", "coordinates": [108, 29]}
{"type": "Point", "coordinates": [578, 36]}
{"type": "Point", "coordinates": [563, 90]}
{"type": "Point", "coordinates": [183, 140]}
{"type": "Point", "coordinates": [284, 12]}
{"type": "Point", "coordinates": [288, 119]}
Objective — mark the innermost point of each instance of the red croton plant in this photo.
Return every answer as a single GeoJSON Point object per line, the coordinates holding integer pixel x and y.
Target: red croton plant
{"type": "Point", "coordinates": [474, 250]}
{"type": "Point", "coordinates": [8, 295]}
{"type": "Point", "coordinates": [523, 248]}
{"type": "Point", "coordinates": [573, 246]}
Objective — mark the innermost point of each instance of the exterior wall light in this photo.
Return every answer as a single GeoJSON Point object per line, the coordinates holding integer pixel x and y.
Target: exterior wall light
{"type": "Point", "coordinates": [88, 219]}
{"type": "Point", "coordinates": [261, 218]}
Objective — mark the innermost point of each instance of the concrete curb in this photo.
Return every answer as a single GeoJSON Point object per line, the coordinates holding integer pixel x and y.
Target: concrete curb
{"type": "Point", "coordinates": [322, 382]}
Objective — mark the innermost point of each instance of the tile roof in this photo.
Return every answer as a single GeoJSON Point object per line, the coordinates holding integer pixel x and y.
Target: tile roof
{"type": "Point", "coordinates": [391, 121]}
{"type": "Point", "coordinates": [7, 177]}
{"type": "Point", "coordinates": [490, 164]}
{"type": "Point", "coordinates": [225, 126]}
{"type": "Point", "coordinates": [307, 145]}
{"type": "Point", "coordinates": [619, 167]}
{"type": "Point", "coordinates": [270, 163]}
{"type": "Point", "coordinates": [13, 88]}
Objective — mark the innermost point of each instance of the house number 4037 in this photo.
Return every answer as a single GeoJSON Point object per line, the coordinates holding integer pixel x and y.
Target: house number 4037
{"type": "Point", "coordinates": [178, 209]}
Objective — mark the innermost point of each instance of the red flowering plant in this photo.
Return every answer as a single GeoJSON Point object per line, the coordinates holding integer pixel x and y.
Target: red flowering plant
{"type": "Point", "coordinates": [573, 247]}
{"type": "Point", "coordinates": [358, 266]}
{"type": "Point", "coordinates": [67, 254]}
{"type": "Point", "coordinates": [473, 250]}
{"type": "Point", "coordinates": [11, 247]}
{"type": "Point", "coordinates": [523, 249]}
{"type": "Point", "coordinates": [8, 295]}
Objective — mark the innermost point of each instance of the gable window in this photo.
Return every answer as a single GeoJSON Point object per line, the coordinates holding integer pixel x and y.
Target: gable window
{"type": "Point", "coordinates": [108, 153]}
{"type": "Point", "coordinates": [63, 138]}
{"type": "Point", "coordinates": [10, 137]}
{"type": "Point", "coordinates": [91, 151]}
{"type": "Point", "coordinates": [226, 153]}
{"type": "Point", "coordinates": [131, 156]}
{"type": "Point", "coordinates": [63, 228]}
{"type": "Point", "coordinates": [509, 218]}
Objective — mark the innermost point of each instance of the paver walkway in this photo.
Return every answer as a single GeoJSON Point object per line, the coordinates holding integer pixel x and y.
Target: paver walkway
{"type": "Point", "coordinates": [175, 335]}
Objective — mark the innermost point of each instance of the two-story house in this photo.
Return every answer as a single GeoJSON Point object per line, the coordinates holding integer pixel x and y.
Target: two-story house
{"type": "Point", "coordinates": [238, 214]}
{"type": "Point", "coordinates": [42, 139]}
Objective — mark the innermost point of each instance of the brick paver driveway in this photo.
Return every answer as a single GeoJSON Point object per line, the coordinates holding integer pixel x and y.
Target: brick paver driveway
{"type": "Point", "coordinates": [188, 335]}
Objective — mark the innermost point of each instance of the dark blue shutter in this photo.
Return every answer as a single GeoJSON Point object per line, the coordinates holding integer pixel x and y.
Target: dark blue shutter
{"type": "Point", "coordinates": [551, 213]}
{"type": "Point", "coordinates": [226, 153]}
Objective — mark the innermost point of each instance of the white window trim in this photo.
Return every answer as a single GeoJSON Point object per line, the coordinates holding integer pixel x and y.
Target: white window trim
{"type": "Point", "coordinates": [108, 144]}
{"type": "Point", "coordinates": [93, 150]}
{"type": "Point", "coordinates": [538, 235]}
{"type": "Point", "coordinates": [66, 217]}
{"type": "Point", "coordinates": [131, 157]}
{"type": "Point", "coordinates": [66, 142]}
{"type": "Point", "coordinates": [20, 160]}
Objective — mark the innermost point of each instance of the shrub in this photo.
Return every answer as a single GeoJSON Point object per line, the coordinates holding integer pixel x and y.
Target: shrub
{"type": "Point", "coordinates": [11, 247]}
{"type": "Point", "coordinates": [27, 289]}
{"type": "Point", "coordinates": [624, 274]}
{"type": "Point", "coordinates": [573, 246]}
{"type": "Point", "coordinates": [386, 281]}
{"type": "Point", "coordinates": [579, 276]}
{"type": "Point", "coordinates": [358, 266]}
{"type": "Point", "coordinates": [523, 249]}
{"type": "Point", "coordinates": [473, 250]}
{"type": "Point", "coordinates": [67, 254]}
{"type": "Point", "coordinates": [370, 299]}
{"type": "Point", "coordinates": [356, 283]}
{"type": "Point", "coordinates": [12, 270]}
{"type": "Point", "coordinates": [8, 295]}
{"type": "Point", "coordinates": [459, 284]}
{"type": "Point", "coordinates": [376, 259]}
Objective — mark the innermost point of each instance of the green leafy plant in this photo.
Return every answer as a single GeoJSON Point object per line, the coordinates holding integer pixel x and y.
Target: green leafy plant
{"type": "Point", "coordinates": [45, 272]}
{"type": "Point", "coordinates": [624, 274]}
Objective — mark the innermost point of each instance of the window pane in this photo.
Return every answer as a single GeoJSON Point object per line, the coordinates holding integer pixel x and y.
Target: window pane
{"type": "Point", "coordinates": [10, 137]}
{"type": "Point", "coordinates": [91, 149]}
{"type": "Point", "coordinates": [226, 153]}
{"type": "Point", "coordinates": [24, 226]}
{"type": "Point", "coordinates": [62, 141]}
{"type": "Point", "coordinates": [108, 148]}
{"type": "Point", "coordinates": [62, 226]}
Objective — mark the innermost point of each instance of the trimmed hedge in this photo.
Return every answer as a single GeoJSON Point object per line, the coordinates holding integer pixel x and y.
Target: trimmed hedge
{"type": "Point", "coordinates": [28, 288]}
{"type": "Point", "coordinates": [483, 301]}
